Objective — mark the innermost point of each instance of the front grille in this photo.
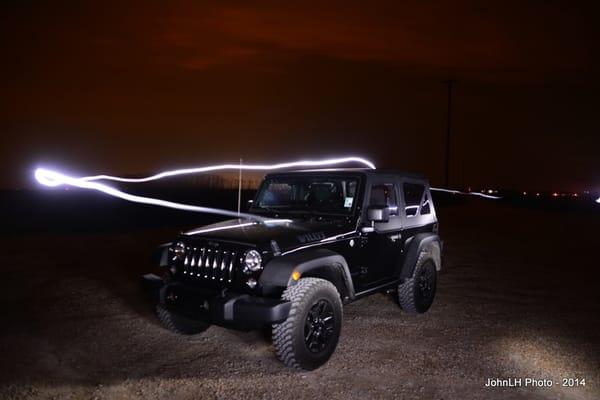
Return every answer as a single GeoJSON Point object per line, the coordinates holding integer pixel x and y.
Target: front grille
{"type": "Point", "coordinates": [210, 264]}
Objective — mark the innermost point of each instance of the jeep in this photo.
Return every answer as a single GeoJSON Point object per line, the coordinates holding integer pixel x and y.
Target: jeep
{"type": "Point", "coordinates": [320, 239]}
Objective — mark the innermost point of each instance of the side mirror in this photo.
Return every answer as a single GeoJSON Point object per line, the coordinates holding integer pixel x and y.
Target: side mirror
{"type": "Point", "coordinates": [247, 205]}
{"type": "Point", "coordinates": [378, 214]}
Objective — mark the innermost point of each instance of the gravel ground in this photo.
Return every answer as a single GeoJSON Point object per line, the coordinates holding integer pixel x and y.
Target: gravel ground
{"type": "Point", "coordinates": [518, 297]}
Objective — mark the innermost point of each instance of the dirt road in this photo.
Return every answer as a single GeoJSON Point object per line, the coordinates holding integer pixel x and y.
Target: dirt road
{"type": "Point", "coordinates": [518, 298]}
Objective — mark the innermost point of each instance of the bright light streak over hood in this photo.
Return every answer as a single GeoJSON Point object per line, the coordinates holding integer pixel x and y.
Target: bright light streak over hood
{"type": "Point", "coordinates": [52, 178]}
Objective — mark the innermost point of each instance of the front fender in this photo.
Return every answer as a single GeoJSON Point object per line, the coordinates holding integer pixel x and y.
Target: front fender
{"type": "Point", "coordinates": [317, 263]}
{"type": "Point", "coordinates": [161, 255]}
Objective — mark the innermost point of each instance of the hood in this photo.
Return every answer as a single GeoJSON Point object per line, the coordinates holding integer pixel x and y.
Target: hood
{"type": "Point", "coordinates": [288, 234]}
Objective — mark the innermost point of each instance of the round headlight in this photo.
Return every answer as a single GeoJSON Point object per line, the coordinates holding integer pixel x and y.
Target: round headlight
{"type": "Point", "coordinates": [252, 261]}
{"type": "Point", "coordinates": [178, 251]}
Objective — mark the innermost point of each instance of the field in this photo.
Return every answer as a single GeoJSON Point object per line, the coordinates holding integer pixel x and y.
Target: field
{"type": "Point", "coordinates": [518, 298]}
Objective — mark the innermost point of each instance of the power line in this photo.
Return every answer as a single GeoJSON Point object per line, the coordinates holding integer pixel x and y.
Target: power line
{"type": "Point", "coordinates": [450, 84]}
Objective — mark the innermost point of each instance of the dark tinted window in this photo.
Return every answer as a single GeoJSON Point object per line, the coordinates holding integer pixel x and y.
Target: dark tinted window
{"type": "Point", "coordinates": [425, 207]}
{"type": "Point", "coordinates": [335, 195]}
{"type": "Point", "coordinates": [413, 193]}
{"type": "Point", "coordinates": [384, 195]}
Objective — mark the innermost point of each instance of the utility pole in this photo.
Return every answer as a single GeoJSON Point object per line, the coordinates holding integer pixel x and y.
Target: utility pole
{"type": "Point", "coordinates": [240, 188]}
{"type": "Point", "coordinates": [449, 83]}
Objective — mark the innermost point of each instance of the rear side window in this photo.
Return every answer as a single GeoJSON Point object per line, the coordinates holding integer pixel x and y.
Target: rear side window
{"type": "Point", "coordinates": [413, 193]}
{"type": "Point", "coordinates": [384, 195]}
{"type": "Point", "coordinates": [426, 207]}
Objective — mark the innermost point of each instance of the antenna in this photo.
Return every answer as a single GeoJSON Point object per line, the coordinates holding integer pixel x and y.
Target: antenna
{"type": "Point", "coordinates": [240, 188]}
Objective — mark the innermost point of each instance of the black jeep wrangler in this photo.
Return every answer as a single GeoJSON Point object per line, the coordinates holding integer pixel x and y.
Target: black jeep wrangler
{"type": "Point", "coordinates": [321, 239]}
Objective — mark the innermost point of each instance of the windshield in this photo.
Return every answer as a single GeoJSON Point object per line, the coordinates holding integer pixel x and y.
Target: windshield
{"type": "Point", "coordinates": [306, 194]}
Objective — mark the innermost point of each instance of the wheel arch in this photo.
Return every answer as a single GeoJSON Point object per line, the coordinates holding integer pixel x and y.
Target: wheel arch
{"type": "Point", "coordinates": [161, 254]}
{"type": "Point", "coordinates": [422, 242]}
{"type": "Point", "coordinates": [313, 263]}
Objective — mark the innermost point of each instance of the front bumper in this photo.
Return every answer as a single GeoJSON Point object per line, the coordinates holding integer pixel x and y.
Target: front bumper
{"type": "Point", "coordinates": [230, 310]}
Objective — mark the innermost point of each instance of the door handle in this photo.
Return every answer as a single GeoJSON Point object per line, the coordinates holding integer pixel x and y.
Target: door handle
{"type": "Point", "coordinates": [395, 237]}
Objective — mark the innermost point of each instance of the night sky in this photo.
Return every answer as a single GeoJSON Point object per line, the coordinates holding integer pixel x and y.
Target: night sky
{"type": "Point", "coordinates": [145, 87]}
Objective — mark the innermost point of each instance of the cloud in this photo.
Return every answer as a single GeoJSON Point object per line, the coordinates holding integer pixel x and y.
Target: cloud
{"type": "Point", "coordinates": [507, 40]}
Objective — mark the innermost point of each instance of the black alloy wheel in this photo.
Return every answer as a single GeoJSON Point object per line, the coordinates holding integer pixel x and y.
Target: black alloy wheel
{"type": "Point", "coordinates": [416, 294]}
{"type": "Point", "coordinates": [426, 281]}
{"type": "Point", "coordinates": [309, 335]}
{"type": "Point", "coordinates": [319, 326]}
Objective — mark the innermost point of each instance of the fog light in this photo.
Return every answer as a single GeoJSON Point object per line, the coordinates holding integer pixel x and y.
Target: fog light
{"type": "Point", "coordinates": [251, 283]}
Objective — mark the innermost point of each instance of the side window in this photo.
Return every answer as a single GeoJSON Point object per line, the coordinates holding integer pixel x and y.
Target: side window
{"type": "Point", "coordinates": [384, 195]}
{"type": "Point", "coordinates": [349, 190]}
{"type": "Point", "coordinates": [425, 207]}
{"type": "Point", "coordinates": [277, 194]}
{"type": "Point", "coordinates": [413, 193]}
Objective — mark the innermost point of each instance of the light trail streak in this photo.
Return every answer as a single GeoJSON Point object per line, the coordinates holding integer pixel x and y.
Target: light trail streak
{"type": "Point", "coordinates": [52, 178]}
{"type": "Point", "coordinates": [240, 225]}
{"type": "Point", "coordinates": [487, 196]}
{"type": "Point", "coordinates": [256, 167]}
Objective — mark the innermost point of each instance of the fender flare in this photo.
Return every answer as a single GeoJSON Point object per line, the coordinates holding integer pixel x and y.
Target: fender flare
{"type": "Point", "coordinates": [161, 254]}
{"type": "Point", "coordinates": [428, 242]}
{"type": "Point", "coordinates": [316, 263]}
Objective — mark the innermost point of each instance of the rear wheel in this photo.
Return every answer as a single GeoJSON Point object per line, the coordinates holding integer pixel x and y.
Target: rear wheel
{"type": "Point", "coordinates": [179, 324]}
{"type": "Point", "coordinates": [309, 336]}
{"type": "Point", "coordinates": [416, 294]}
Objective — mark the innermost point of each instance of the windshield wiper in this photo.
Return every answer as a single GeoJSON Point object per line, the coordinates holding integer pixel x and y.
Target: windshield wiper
{"type": "Point", "coordinates": [273, 210]}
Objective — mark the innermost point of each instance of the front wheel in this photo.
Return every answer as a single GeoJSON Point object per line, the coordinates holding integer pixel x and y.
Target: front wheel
{"type": "Point", "coordinates": [309, 335]}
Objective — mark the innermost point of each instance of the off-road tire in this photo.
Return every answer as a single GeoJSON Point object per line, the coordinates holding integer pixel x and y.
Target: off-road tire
{"type": "Point", "coordinates": [411, 297]}
{"type": "Point", "coordinates": [289, 336]}
{"type": "Point", "coordinates": [179, 324]}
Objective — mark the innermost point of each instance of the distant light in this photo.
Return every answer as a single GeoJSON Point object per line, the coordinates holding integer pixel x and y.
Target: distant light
{"type": "Point", "coordinates": [537, 194]}
{"type": "Point", "coordinates": [554, 194]}
{"type": "Point", "coordinates": [598, 200]}
{"type": "Point", "coordinates": [490, 191]}
{"type": "Point", "coordinates": [524, 193]}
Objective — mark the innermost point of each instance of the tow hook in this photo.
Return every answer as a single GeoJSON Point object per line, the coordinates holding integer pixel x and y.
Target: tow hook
{"type": "Point", "coordinates": [172, 297]}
